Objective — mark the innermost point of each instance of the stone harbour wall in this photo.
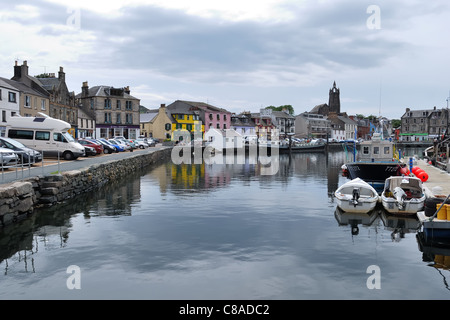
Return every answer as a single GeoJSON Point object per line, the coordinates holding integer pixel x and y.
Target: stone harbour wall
{"type": "Point", "coordinates": [20, 198]}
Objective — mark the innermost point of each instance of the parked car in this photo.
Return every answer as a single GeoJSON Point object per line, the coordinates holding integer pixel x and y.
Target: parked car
{"type": "Point", "coordinates": [89, 151]}
{"type": "Point", "coordinates": [151, 142]}
{"type": "Point", "coordinates": [142, 143]}
{"type": "Point", "coordinates": [8, 157]}
{"type": "Point", "coordinates": [119, 146]}
{"type": "Point", "coordinates": [132, 143]}
{"type": "Point", "coordinates": [25, 154]}
{"type": "Point", "coordinates": [107, 147]}
{"type": "Point", "coordinates": [85, 142]}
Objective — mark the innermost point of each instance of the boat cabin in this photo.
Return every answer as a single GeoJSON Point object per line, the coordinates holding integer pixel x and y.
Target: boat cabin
{"type": "Point", "coordinates": [376, 149]}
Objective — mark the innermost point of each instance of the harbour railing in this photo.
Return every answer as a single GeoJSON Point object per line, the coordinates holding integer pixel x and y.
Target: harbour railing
{"type": "Point", "coordinates": [22, 162]}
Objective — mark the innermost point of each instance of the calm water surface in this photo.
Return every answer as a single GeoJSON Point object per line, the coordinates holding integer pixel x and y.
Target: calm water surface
{"type": "Point", "coordinates": [219, 231]}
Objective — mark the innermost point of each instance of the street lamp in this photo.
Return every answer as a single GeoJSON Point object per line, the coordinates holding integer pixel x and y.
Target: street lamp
{"type": "Point", "coordinates": [448, 98]}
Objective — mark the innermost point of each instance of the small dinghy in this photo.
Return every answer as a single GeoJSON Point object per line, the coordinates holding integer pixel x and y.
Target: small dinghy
{"type": "Point", "coordinates": [403, 195]}
{"type": "Point", "coordinates": [356, 196]}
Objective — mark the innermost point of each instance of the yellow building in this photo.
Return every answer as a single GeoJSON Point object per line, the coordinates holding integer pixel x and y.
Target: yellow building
{"type": "Point", "coordinates": [187, 123]}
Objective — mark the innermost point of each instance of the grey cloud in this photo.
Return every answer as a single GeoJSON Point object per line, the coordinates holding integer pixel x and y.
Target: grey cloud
{"type": "Point", "coordinates": [173, 43]}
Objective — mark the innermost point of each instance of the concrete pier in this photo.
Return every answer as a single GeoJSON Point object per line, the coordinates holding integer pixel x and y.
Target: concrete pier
{"type": "Point", "coordinates": [437, 179]}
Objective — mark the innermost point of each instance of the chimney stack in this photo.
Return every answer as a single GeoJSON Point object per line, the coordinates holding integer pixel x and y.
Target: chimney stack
{"type": "Point", "coordinates": [61, 75]}
{"type": "Point", "coordinates": [21, 73]}
{"type": "Point", "coordinates": [85, 89]}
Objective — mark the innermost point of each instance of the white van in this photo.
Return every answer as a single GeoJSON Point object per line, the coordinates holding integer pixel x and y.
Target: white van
{"type": "Point", "coordinates": [46, 134]}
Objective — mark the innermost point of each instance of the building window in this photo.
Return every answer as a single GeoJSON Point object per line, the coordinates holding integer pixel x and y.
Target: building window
{"type": "Point", "coordinates": [218, 116]}
{"type": "Point", "coordinates": [107, 117]}
{"type": "Point", "coordinates": [118, 104]}
{"type": "Point", "coordinates": [107, 104]}
{"type": "Point", "coordinates": [0, 94]}
{"type": "Point", "coordinates": [27, 101]}
{"type": "Point", "coordinates": [118, 118]}
{"type": "Point", "coordinates": [129, 105]}
{"type": "Point", "coordinates": [3, 115]}
{"type": "Point", "coordinates": [218, 126]}
{"type": "Point", "coordinates": [42, 104]}
{"type": "Point", "coordinates": [129, 118]}
{"type": "Point", "coordinates": [92, 104]}
{"type": "Point", "coordinates": [210, 116]}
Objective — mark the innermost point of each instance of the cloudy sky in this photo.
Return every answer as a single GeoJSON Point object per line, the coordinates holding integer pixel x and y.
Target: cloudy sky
{"type": "Point", "coordinates": [385, 56]}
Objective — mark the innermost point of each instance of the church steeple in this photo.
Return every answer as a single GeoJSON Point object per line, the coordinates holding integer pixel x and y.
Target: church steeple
{"type": "Point", "coordinates": [334, 102]}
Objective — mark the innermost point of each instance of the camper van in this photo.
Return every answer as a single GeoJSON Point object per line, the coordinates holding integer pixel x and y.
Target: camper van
{"type": "Point", "coordinates": [46, 134]}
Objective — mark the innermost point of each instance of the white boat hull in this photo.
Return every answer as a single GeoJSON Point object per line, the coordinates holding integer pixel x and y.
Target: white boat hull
{"type": "Point", "coordinates": [346, 204]}
{"type": "Point", "coordinates": [409, 207]}
{"type": "Point", "coordinates": [366, 200]}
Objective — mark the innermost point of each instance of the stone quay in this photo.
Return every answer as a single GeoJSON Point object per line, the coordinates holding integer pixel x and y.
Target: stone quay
{"type": "Point", "coordinates": [20, 198]}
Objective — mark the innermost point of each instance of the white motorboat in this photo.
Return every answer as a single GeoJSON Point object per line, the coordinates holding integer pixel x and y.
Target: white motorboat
{"type": "Point", "coordinates": [356, 196]}
{"type": "Point", "coordinates": [403, 195]}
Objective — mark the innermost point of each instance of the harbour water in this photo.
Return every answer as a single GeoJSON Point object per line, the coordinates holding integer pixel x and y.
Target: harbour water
{"type": "Point", "coordinates": [219, 231]}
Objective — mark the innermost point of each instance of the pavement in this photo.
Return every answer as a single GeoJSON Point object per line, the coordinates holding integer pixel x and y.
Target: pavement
{"type": "Point", "coordinates": [438, 182]}
{"type": "Point", "coordinates": [53, 165]}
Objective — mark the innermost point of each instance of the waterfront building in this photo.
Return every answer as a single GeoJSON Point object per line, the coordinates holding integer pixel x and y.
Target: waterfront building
{"type": "Point", "coordinates": [285, 123]}
{"type": "Point", "coordinates": [33, 98]}
{"type": "Point", "coordinates": [342, 127]}
{"type": "Point", "coordinates": [9, 103]}
{"type": "Point", "coordinates": [115, 110]}
{"type": "Point", "coordinates": [157, 123]}
{"type": "Point", "coordinates": [438, 122]}
{"type": "Point", "coordinates": [62, 102]}
{"type": "Point", "coordinates": [312, 125]}
{"type": "Point", "coordinates": [363, 130]}
{"type": "Point", "coordinates": [245, 126]}
{"type": "Point", "coordinates": [415, 124]}
{"type": "Point", "coordinates": [264, 126]}
{"type": "Point", "coordinates": [86, 125]}
{"type": "Point", "coordinates": [196, 117]}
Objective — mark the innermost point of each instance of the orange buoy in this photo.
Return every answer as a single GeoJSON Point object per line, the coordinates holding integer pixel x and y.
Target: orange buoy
{"type": "Point", "coordinates": [414, 169]}
{"type": "Point", "coordinates": [422, 175]}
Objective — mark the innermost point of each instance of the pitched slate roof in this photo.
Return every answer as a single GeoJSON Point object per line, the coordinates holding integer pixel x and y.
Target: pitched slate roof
{"type": "Point", "coordinates": [24, 88]}
{"type": "Point", "coordinates": [105, 91]}
{"type": "Point", "coordinates": [147, 117]}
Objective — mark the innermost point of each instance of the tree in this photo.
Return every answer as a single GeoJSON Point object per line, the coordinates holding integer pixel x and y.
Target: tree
{"type": "Point", "coordinates": [396, 123]}
{"type": "Point", "coordinates": [288, 107]}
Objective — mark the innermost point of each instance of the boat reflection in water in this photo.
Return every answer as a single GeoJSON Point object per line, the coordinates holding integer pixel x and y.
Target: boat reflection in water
{"type": "Point", "coordinates": [436, 254]}
{"type": "Point", "coordinates": [355, 219]}
{"type": "Point", "coordinates": [398, 225]}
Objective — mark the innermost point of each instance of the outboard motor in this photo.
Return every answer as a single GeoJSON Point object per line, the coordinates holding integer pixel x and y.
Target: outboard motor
{"type": "Point", "coordinates": [400, 196]}
{"type": "Point", "coordinates": [356, 194]}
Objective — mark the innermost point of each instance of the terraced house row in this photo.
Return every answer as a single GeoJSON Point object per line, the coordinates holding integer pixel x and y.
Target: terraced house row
{"type": "Point", "coordinates": [100, 111]}
{"type": "Point", "coordinates": [103, 111]}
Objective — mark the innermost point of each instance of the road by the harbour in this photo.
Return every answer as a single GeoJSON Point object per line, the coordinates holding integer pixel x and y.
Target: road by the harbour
{"type": "Point", "coordinates": [53, 165]}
